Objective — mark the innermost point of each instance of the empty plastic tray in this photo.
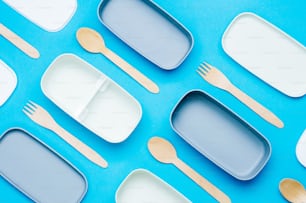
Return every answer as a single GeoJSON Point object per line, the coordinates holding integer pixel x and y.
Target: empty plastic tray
{"type": "Point", "coordinates": [220, 135]}
{"type": "Point", "coordinates": [142, 186]}
{"type": "Point", "coordinates": [8, 82]}
{"type": "Point", "coordinates": [91, 98]}
{"type": "Point", "coordinates": [148, 29]}
{"type": "Point", "coordinates": [51, 15]}
{"type": "Point", "coordinates": [37, 171]}
{"type": "Point", "coordinates": [268, 53]}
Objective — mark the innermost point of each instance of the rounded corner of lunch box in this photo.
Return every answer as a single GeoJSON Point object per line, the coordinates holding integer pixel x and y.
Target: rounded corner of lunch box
{"type": "Point", "coordinates": [229, 26]}
{"type": "Point", "coordinates": [300, 149]}
{"type": "Point", "coordinates": [42, 86]}
{"type": "Point", "coordinates": [99, 9]}
{"type": "Point", "coordinates": [266, 149]}
{"type": "Point", "coordinates": [122, 183]}
{"type": "Point", "coordinates": [64, 24]}
{"type": "Point", "coordinates": [13, 81]}
{"type": "Point", "coordinates": [173, 67]}
{"type": "Point", "coordinates": [147, 173]}
{"type": "Point", "coordinates": [174, 108]}
{"type": "Point", "coordinates": [187, 34]}
{"type": "Point", "coordinates": [51, 150]}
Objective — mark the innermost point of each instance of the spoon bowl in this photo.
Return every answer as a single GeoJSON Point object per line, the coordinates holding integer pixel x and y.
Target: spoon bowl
{"type": "Point", "coordinates": [292, 190]}
{"type": "Point", "coordinates": [162, 150]}
{"type": "Point", "coordinates": [90, 40]}
{"type": "Point", "coordinates": [93, 42]}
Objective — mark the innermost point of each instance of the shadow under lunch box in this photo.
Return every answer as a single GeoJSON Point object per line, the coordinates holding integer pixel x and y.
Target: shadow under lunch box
{"type": "Point", "coordinates": [38, 171]}
{"type": "Point", "coordinates": [148, 29]}
{"type": "Point", "coordinates": [220, 135]}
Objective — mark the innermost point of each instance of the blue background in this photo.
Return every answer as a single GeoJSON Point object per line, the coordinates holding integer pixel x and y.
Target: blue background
{"type": "Point", "coordinates": [207, 20]}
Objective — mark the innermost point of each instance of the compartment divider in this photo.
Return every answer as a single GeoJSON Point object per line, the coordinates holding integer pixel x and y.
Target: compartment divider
{"type": "Point", "coordinates": [99, 84]}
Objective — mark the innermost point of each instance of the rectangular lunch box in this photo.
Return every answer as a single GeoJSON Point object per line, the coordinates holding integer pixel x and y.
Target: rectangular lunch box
{"type": "Point", "coordinates": [220, 135]}
{"type": "Point", "coordinates": [143, 186]}
{"type": "Point", "coordinates": [148, 29]}
{"type": "Point", "coordinates": [51, 15]}
{"type": "Point", "coordinates": [38, 171]}
{"type": "Point", "coordinates": [267, 52]}
{"type": "Point", "coordinates": [91, 98]}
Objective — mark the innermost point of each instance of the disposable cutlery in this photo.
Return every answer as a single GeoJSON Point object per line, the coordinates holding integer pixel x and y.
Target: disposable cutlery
{"type": "Point", "coordinates": [164, 151]}
{"type": "Point", "coordinates": [215, 77]}
{"type": "Point", "coordinates": [18, 42]}
{"type": "Point", "coordinates": [93, 42]}
{"type": "Point", "coordinates": [292, 190]}
{"type": "Point", "coordinates": [40, 116]}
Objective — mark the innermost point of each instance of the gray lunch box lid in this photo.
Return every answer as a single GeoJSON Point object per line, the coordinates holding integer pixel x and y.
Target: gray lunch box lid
{"type": "Point", "coordinates": [148, 29]}
{"type": "Point", "coordinates": [38, 171]}
{"type": "Point", "coordinates": [220, 135]}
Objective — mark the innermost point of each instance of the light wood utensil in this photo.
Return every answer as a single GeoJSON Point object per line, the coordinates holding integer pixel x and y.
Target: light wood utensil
{"type": "Point", "coordinates": [215, 77]}
{"type": "Point", "coordinates": [40, 116]}
{"type": "Point", "coordinates": [93, 42]}
{"type": "Point", "coordinates": [18, 42]}
{"type": "Point", "coordinates": [292, 190]}
{"type": "Point", "coordinates": [164, 151]}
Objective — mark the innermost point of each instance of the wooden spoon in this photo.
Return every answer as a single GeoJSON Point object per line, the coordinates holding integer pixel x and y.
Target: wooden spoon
{"type": "Point", "coordinates": [93, 42]}
{"type": "Point", "coordinates": [292, 190]}
{"type": "Point", "coordinates": [163, 151]}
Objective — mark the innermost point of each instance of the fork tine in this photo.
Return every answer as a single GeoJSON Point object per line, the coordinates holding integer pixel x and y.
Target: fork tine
{"type": "Point", "coordinates": [201, 73]}
{"type": "Point", "coordinates": [27, 113]}
{"type": "Point", "coordinates": [33, 104]}
{"type": "Point", "coordinates": [29, 109]}
{"type": "Point", "coordinates": [203, 70]}
{"type": "Point", "coordinates": [204, 67]}
{"type": "Point", "coordinates": [208, 65]}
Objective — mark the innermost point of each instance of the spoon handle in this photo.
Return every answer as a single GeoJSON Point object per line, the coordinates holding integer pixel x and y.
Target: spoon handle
{"type": "Point", "coordinates": [130, 70]}
{"type": "Point", "coordinates": [202, 182]}
{"type": "Point", "coordinates": [18, 42]}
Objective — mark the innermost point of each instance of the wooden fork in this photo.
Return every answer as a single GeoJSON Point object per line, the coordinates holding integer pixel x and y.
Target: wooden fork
{"type": "Point", "coordinates": [40, 116]}
{"type": "Point", "coordinates": [215, 77]}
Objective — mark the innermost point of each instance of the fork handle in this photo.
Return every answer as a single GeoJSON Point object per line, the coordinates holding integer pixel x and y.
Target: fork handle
{"type": "Point", "coordinates": [256, 107]}
{"type": "Point", "coordinates": [80, 146]}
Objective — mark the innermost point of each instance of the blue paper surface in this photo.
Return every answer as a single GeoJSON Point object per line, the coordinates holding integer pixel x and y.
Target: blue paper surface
{"type": "Point", "coordinates": [207, 20]}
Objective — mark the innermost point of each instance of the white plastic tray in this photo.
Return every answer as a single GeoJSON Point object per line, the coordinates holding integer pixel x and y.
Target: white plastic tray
{"type": "Point", "coordinates": [142, 186]}
{"type": "Point", "coordinates": [268, 53]}
{"type": "Point", "coordinates": [51, 15]}
{"type": "Point", "coordinates": [8, 82]}
{"type": "Point", "coordinates": [301, 149]}
{"type": "Point", "coordinates": [91, 98]}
